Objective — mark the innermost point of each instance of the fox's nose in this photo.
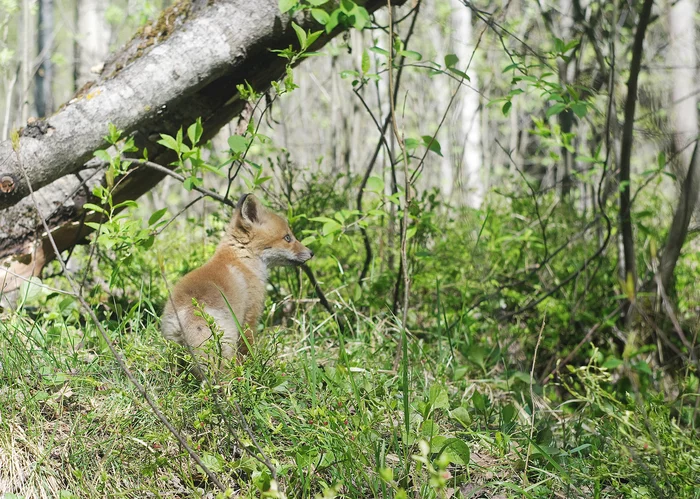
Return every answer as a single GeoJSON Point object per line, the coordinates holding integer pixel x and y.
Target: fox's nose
{"type": "Point", "coordinates": [311, 253]}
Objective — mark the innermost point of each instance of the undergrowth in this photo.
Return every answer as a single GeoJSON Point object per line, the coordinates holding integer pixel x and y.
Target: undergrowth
{"type": "Point", "coordinates": [330, 407]}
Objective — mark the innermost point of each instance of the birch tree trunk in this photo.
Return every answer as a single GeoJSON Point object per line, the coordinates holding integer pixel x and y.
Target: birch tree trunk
{"type": "Point", "coordinates": [684, 120]}
{"type": "Point", "coordinates": [460, 168]}
{"type": "Point", "coordinates": [43, 79]}
{"type": "Point", "coordinates": [471, 177]}
{"type": "Point", "coordinates": [92, 40]}
{"type": "Point", "coordinates": [26, 68]}
{"type": "Point", "coordinates": [682, 58]}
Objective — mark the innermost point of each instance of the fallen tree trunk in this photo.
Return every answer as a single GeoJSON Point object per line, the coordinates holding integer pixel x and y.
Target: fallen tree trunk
{"type": "Point", "coordinates": [182, 66]}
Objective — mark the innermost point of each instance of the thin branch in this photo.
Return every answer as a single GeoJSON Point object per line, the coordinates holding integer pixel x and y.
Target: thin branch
{"type": "Point", "coordinates": [180, 178]}
{"type": "Point", "coordinates": [342, 324]}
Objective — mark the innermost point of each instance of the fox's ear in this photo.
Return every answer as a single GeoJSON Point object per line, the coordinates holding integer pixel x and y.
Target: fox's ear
{"type": "Point", "coordinates": [248, 208]}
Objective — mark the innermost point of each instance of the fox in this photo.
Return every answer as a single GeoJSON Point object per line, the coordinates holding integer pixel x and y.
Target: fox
{"type": "Point", "coordinates": [233, 280]}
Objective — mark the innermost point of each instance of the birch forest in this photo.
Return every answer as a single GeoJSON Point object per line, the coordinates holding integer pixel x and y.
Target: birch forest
{"type": "Point", "coordinates": [487, 286]}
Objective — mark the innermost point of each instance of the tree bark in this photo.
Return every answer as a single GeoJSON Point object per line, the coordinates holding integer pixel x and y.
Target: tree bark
{"type": "Point", "coordinates": [684, 120]}
{"type": "Point", "coordinates": [566, 118]}
{"type": "Point", "coordinates": [690, 192]}
{"type": "Point", "coordinates": [626, 149]}
{"type": "Point", "coordinates": [471, 177]}
{"type": "Point", "coordinates": [43, 79]}
{"type": "Point", "coordinates": [184, 65]}
{"type": "Point", "coordinates": [682, 58]}
{"type": "Point", "coordinates": [92, 43]}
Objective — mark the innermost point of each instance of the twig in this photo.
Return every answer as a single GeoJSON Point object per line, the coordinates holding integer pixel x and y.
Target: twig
{"type": "Point", "coordinates": [183, 210]}
{"type": "Point", "coordinates": [342, 324]}
{"type": "Point", "coordinates": [180, 178]}
{"type": "Point", "coordinates": [585, 340]}
{"type": "Point", "coordinates": [242, 119]}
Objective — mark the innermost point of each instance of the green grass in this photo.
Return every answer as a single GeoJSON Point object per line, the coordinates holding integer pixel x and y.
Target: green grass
{"type": "Point", "coordinates": [328, 411]}
{"type": "Point", "coordinates": [328, 408]}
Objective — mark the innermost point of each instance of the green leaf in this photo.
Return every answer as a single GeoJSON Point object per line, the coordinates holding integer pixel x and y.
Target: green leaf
{"type": "Point", "coordinates": [386, 474]}
{"type": "Point", "coordinates": [365, 62]}
{"type": "Point", "coordinates": [459, 73]}
{"type": "Point", "coordinates": [211, 461]}
{"type": "Point", "coordinates": [129, 203]}
{"type": "Point", "coordinates": [333, 21]}
{"type": "Point", "coordinates": [321, 219]}
{"type": "Point", "coordinates": [308, 240]}
{"type": "Point", "coordinates": [456, 450]}
{"type": "Point", "coordinates": [157, 216]}
{"type": "Point", "coordinates": [287, 5]}
{"type": "Point", "coordinates": [114, 133]}
{"type": "Point", "coordinates": [301, 34]}
{"type": "Point", "coordinates": [347, 6]}
{"type": "Point", "coordinates": [611, 363]}
{"type": "Point", "coordinates": [478, 401]}
{"type": "Point", "coordinates": [194, 132]}
{"type": "Point", "coordinates": [411, 143]}
{"type": "Point", "coordinates": [411, 54]}
{"type": "Point", "coordinates": [461, 415]}
{"type": "Point", "coordinates": [260, 180]}
{"type": "Point", "coordinates": [380, 51]}
{"type": "Point", "coordinates": [321, 16]}
{"type": "Point", "coordinates": [555, 109]}
{"type": "Point", "coordinates": [237, 143]}
{"type": "Point", "coordinates": [169, 142]}
{"type": "Point", "coordinates": [451, 60]}
{"type": "Point", "coordinates": [213, 169]}
{"type": "Point", "coordinates": [103, 155]}
{"type": "Point", "coordinates": [429, 429]}
{"type": "Point", "coordinates": [94, 207]}
{"type": "Point", "coordinates": [432, 144]}
{"type": "Point", "coordinates": [508, 413]}
{"type": "Point", "coordinates": [30, 289]}
{"type": "Point", "coordinates": [661, 160]}
{"type": "Point", "coordinates": [331, 227]}
{"type": "Point", "coordinates": [375, 184]}
{"type": "Point", "coordinates": [579, 108]}
{"type": "Point", "coordinates": [506, 107]}
{"type": "Point", "coordinates": [362, 15]}
{"type": "Point", "coordinates": [312, 37]}
{"type": "Point", "coordinates": [349, 72]}
{"type": "Point", "coordinates": [316, 3]}
{"type": "Point", "coordinates": [438, 397]}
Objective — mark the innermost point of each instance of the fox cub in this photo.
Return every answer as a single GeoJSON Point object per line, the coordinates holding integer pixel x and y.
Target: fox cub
{"type": "Point", "coordinates": [255, 240]}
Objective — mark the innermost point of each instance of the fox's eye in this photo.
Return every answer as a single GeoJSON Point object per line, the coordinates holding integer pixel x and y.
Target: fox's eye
{"type": "Point", "coordinates": [288, 238]}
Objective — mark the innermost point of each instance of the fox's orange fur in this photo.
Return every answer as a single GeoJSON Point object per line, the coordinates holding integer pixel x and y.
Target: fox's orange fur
{"type": "Point", "coordinates": [255, 240]}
